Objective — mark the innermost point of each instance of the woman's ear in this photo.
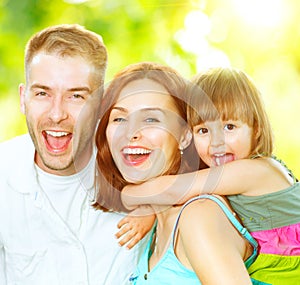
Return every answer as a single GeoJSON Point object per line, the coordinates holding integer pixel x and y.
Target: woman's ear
{"type": "Point", "coordinates": [185, 139]}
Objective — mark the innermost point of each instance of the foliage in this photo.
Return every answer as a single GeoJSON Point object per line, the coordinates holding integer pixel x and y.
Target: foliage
{"type": "Point", "coordinates": [260, 37]}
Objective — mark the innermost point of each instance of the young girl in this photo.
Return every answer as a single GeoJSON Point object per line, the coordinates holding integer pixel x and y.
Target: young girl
{"type": "Point", "coordinates": [143, 134]}
{"type": "Point", "coordinates": [232, 135]}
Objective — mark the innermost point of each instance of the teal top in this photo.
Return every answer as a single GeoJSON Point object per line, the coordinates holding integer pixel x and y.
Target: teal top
{"type": "Point", "coordinates": [169, 270]}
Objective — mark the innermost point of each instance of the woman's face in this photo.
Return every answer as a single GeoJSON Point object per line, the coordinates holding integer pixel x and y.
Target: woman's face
{"type": "Point", "coordinates": [144, 131]}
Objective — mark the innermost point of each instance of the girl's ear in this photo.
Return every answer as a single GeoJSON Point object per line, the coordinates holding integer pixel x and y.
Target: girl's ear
{"type": "Point", "coordinates": [185, 139]}
{"type": "Point", "coordinates": [256, 132]}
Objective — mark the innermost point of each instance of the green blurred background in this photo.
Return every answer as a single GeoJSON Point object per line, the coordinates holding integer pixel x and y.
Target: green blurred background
{"type": "Point", "coordinates": [261, 37]}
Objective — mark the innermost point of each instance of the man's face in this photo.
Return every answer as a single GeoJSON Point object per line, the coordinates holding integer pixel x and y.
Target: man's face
{"type": "Point", "coordinates": [61, 102]}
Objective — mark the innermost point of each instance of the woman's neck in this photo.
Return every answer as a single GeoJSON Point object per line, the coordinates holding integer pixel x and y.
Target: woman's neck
{"type": "Point", "coordinates": [166, 218]}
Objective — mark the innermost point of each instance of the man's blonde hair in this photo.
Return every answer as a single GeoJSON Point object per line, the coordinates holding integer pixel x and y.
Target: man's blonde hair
{"type": "Point", "coordinates": [69, 40]}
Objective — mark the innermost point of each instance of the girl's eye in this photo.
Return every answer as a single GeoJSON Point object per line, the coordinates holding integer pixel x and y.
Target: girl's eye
{"type": "Point", "coordinates": [201, 131]}
{"type": "Point", "coordinates": [229, 127]}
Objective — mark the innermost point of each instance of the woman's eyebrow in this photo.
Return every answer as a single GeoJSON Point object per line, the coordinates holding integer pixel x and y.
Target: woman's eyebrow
{"type": "Point", "coordinates": [144, 110]}
{"type": "Point", "coordinates": [117, 108]}
{"type": "Point", "coordinates": [154, 109]}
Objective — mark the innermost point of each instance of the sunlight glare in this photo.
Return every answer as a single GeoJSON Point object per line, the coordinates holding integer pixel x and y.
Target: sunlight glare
{"type": "Point", "coordinates": [193, 37]}
{"type": "Point", "coordinates": [213, 58]}
{"type": "Point", "coordinates": [266, 13]}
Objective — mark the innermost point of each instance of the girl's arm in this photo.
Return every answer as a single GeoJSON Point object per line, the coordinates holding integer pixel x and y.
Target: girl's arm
{"type": "Point", "coordinates": [246, 176]}
{"type": "Point", "coordinates": [212, 246]}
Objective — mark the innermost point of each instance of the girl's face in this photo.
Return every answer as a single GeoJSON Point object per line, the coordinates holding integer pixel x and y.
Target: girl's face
{"type": "Point", "coordinates": [144, 131]}
{"type": "Point", "coordinates": [220, 142]}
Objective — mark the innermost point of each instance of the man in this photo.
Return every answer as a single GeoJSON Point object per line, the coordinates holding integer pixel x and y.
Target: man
{"type": "Point", "coordinates": [49, 232]}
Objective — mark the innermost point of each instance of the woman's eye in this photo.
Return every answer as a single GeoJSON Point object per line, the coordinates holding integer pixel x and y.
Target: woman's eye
{"type": "Point", "coordinates": [152, 120]}
{"type": "Point", "coordinates": [229, 127]}
{"type": "Point", "coordinates": [119, 120]}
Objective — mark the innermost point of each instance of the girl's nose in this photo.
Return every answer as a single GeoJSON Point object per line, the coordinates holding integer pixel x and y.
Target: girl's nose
{"type": "Point", "coordinates": [217, 140]}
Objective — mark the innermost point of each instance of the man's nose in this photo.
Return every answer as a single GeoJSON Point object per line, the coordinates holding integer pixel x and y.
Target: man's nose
{"type": "Point", "coordinates": [58, 110]}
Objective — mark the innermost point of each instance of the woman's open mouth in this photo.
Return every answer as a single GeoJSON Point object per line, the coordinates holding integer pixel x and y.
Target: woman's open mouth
{"type": "Point", "coordinates": [135, 156]}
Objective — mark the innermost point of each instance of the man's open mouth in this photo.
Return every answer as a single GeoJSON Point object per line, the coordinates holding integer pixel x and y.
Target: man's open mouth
{"type": "Point", "coordinates": [57, 141]}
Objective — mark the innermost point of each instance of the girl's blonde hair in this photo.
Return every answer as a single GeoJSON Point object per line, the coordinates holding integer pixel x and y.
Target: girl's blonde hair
{"type": "Point", "coordinates": [229, 94]}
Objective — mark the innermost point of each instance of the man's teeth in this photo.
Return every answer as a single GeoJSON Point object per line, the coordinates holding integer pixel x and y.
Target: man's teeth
{"type": "Point", "coordinates": [136, 151]}
{"type": "Point", "coordinates": [56, 134]}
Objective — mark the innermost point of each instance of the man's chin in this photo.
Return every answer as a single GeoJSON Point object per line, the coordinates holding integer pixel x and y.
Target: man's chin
{"type": "Point", "coordinates": [56, 165]}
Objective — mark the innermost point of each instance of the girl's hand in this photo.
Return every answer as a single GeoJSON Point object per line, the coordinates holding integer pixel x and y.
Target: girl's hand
{"type": "Point", "coordinates": [135, 226]}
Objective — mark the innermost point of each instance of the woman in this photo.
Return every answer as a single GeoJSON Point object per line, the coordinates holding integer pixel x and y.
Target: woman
{"type": "Point", "coordinates": [143, 134]}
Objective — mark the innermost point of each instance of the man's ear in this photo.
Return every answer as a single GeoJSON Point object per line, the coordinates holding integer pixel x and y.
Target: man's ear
{"type": "Point", "coordinates": [185, 139]}
{"type": "Point", "coordinates": [22, 97]}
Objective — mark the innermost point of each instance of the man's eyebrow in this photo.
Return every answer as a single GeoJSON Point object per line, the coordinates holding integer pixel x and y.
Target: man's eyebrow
{"type": "Point", "coordinates": [83, 88]}
{"type": "Point", "coordinates": [41, 86]}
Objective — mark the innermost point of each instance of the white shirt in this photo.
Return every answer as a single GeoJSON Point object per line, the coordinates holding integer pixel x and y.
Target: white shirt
{"type": "Point", "coordinates": [67, 194]}
{"type": "Point", "coordinates": [47, 241]}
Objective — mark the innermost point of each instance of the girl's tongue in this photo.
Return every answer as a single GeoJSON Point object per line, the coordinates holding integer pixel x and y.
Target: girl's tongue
{"type": "Point", "coordinates": [222, 159]}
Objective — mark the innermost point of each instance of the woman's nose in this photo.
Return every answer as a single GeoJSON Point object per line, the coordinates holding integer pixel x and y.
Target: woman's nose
{"type": "Point", "coordinates": [133, 131]}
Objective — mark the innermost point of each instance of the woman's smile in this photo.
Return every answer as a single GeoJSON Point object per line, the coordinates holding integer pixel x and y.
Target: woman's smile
{"type": "Point", "coordinates": [135, 156]}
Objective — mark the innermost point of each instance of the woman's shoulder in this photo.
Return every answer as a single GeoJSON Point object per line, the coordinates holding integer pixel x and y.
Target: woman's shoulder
{"type": "Point", "coordinates": [205, 210]}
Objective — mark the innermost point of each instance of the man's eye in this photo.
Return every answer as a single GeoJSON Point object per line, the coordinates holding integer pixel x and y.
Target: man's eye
{"type": "Point", "coordinates": [42, 93]}
{"type": "Point", "coordinates": [78, 96]}
{"type": "Point", "coordinates": [229, 127]}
